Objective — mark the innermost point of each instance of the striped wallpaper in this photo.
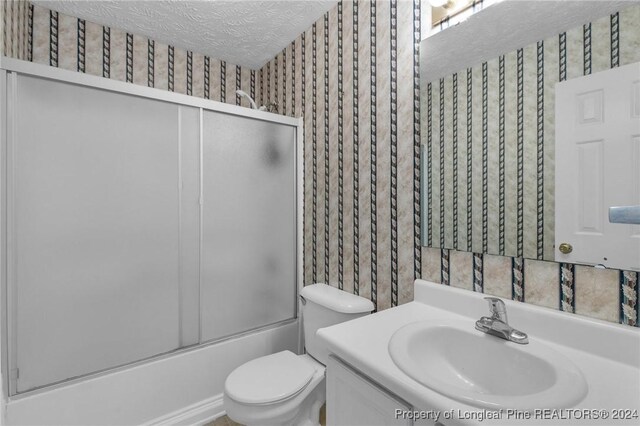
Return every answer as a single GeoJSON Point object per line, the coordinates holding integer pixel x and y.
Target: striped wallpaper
{"type": "Point", "coordinates": [357, 86]}
{"type": "Point", "coordinates": [489, 139]}
{"type": "Point", "coordinates": [40, 35]}
{"type": "Point", "coordinates": [354, 77]}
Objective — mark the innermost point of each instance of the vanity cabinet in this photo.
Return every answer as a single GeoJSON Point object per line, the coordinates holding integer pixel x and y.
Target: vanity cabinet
{"type": "Point", "coordinates": [353, 399]}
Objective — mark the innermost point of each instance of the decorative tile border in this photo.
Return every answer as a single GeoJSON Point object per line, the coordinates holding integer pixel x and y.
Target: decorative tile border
{"type": "Point", "coordinates": [441, 157]}
{"type": "Point", "coordinates": [129, 59]}
{"type": "Point", "coordinates": [267, 98]}
{"type": "Point", "coordinates": [356, 155]}
{"type": "Point", "coordinates": [293, 80]}
{"type": "Point", "coordinates": [223, 82]}
{"type": "Point", "coordinates": [171, 71]}
{"type": "Point", "coordinates": [517, 279]}
{"type": "Point", "coordinates": [562, 57]}
{"type": "Point", "coordinates": [53, 38]}
{"type": "Point", "coordinates": [469, 160]}
{"type": "Point", "coordinates": [303, 106]}
{"type": "Point", "coordinates": [501, 154]}
{"type": "Point", "coordinates": [417, 26]}
{"type": "Point", "coordinates": [485, 158]}
{"type": "Point", "coordinates": [615, 40]}
{"type": "Point", "coordinates": [544, 288]}
{"type": "Point", "coordinates": [430, 161]}
{"type": "Point", "coordinates": [340, 152]}
{"type": "Point", "coordinates": [190, 73]}
{"type": "Point", "coordinates": [314, 129]}
{"type": "Point", "coordinates": [629, 306]}
{"type": "Point", "coordinates": [151, 47]}
{"type": "Point", "coordinates": [478, 272]}
{"type": "Point", "coordinates": [238, 83]}
{"type": "Point", "coordinates": [567, 287]}
{"type": "Point", "coordinates": [276, 85]}
{"type": "Point", "coordinates": [454, 142]}
{"type": "Point", "coordinates": [520, 153]}
{"type": "Point", "coordinates": [81, 46]}
{"type": "Point", "coordinates": [444, 267]}
{"type": "Point", "coordinates": [393, 116]}
{"type": "Point", "coordinates": [284, 81]}
{"type": "Point", "coordinates": [373, 169]}
{"type": "Point", "coordinates": [106, 52]}
{"type": "Point", "coordinates": [252, 87]}
{"type": "Point", "coordinates": [326, 148]}
{"type": "Point", "coordinates": [29, 33]}
{"type": "Point", "coordinates": [540, 150]}
{"type": "Point", "coordinates": [586, 51]}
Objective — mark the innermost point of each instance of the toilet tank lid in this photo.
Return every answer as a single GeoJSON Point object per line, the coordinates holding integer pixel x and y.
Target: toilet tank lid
{"type": "Point", "coordinates": [335, 299]}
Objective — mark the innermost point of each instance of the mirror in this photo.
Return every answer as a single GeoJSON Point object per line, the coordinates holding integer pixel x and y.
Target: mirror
{"type": "Point", "coordinates": [488, 119]}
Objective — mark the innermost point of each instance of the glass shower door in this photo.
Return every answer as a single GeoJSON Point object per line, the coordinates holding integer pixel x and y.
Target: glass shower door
{"type": "Point", "coordinates": [137, 227]}
{"type": "Point", "coordinates": [103, 230]}
{"type": "Point", "coordinates": [248, 257]}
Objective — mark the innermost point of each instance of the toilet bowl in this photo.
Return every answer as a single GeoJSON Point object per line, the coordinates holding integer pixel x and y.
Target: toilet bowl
{"type": "Point", "coordinates": [252, 397]}
{"type": "Point", "coordinates": [285, 388]}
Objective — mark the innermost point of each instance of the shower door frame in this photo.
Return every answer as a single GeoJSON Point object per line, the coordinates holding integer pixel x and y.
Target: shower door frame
{"type": "Point", "coordinates": [11, 67]}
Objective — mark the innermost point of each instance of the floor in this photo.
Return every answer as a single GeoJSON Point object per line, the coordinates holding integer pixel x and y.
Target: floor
{"type": "Point", "coordinates": [226, 421]}
{"type": "Point", "coordinates": [223, 421]}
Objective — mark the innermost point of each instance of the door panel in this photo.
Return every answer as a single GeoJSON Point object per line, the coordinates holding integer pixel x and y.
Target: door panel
{"type": "Point", "coordinates": [248, 224]}
{"type": "Point", "coordinates": [94, 229]}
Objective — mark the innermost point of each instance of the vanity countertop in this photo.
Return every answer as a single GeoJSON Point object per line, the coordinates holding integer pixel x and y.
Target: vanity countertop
{"type": "Point", "coordinates": [607, 354]}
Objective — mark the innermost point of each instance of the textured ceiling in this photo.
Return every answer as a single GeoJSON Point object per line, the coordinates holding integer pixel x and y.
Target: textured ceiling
{"type": "Point", "coordinates": [242, 32]}
{"type": "Point", "coordinates": [504, 27]}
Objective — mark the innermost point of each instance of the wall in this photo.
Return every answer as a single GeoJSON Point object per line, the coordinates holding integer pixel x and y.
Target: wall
{"type": "Point", "coordinates": [361, 136]}
{"type": "Point", "coordinates": [362, 201]}
{"type": "Point", "coordinates": [43, 36]}
{"type": "Point", "coordinates": [362, 133]}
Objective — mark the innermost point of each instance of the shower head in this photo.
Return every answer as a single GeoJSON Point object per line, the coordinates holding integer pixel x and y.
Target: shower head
{"type": "Point", "coordinates": [244, 94]}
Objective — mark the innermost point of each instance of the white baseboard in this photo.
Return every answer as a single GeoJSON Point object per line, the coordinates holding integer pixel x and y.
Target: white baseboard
{"type": "Point", "coordinates": [196, 414]}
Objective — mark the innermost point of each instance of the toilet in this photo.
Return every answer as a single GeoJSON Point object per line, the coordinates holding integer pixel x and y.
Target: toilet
{"type": "Point", "coordinates": [285, 388]}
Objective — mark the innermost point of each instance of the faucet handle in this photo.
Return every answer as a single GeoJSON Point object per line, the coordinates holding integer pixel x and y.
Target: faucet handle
{"type": "Point", "coordinates": [497, 308]}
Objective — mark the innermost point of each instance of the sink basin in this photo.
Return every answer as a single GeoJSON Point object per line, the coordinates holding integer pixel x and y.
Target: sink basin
{"type": "Point", "coordinates": [455, 360]}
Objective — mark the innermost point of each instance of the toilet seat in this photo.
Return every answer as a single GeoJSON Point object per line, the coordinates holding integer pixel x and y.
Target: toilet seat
{"type": "Point", "coordinates": [269, 379]}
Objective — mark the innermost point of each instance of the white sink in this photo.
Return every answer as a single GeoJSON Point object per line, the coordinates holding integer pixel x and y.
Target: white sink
{"type": "Point", "coordinates": [454, 359]}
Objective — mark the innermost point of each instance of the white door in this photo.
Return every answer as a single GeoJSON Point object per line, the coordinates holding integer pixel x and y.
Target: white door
{"type": "Point", "coordinates": [598, 166]}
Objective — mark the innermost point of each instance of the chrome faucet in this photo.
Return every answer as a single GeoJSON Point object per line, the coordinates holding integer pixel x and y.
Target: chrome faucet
{"type": "Point", "coordinates": [497, 324]}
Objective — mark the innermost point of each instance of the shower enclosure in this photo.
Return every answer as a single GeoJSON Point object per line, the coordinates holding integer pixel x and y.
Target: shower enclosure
{"type": "Point", "coordinates": [137, 223]}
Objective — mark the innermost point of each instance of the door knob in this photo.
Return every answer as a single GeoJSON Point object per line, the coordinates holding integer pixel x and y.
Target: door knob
{"type": "Point", "coordinates": [565, 248]}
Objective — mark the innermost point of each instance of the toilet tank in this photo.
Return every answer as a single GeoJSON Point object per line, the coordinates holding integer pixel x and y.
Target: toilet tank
{"type": "Point", "coordinates": [323, 306]}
